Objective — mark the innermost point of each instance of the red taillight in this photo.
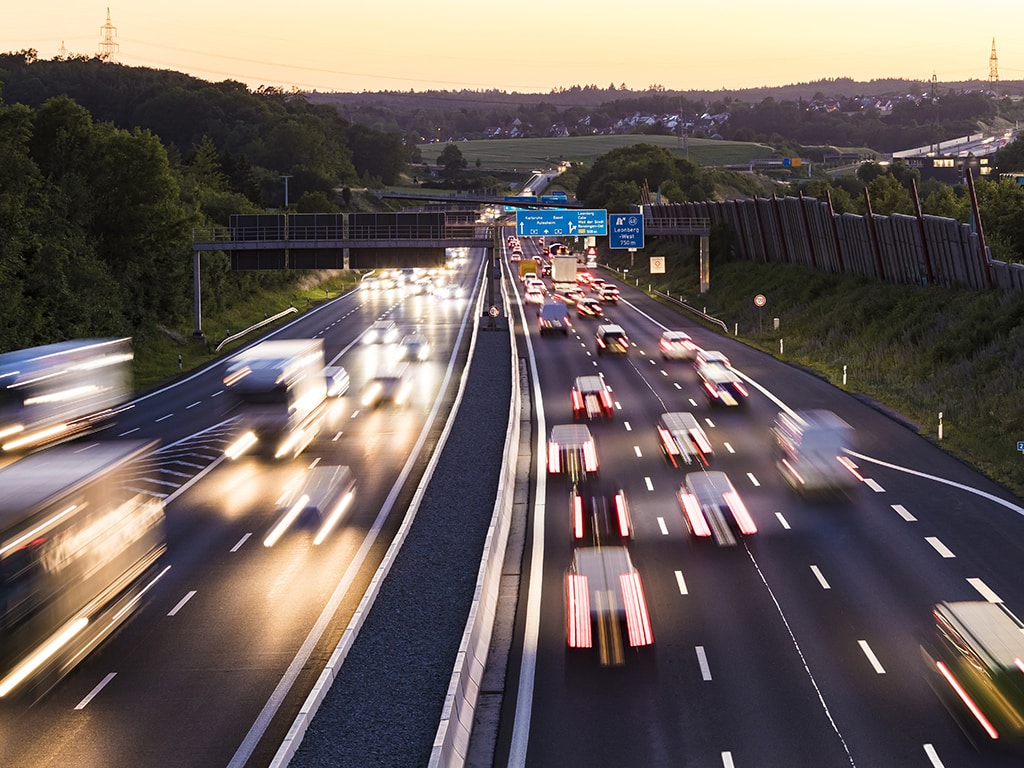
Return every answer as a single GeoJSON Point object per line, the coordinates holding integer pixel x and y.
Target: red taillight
{"type": "Point", "coordinates": [578, 604]}
{"type": "Point", "coordinates": [741, 389]}
{"type": "Point", "coordinates": [638, 620]}
{"type": "Point", "coordinates": [622, 515]}
{"type": "Point", "coordinates": [713, 391]}
{"type": "Point", "coordinates": [606, 401]}
{"type": "Point", "coordinates": [577, 516]}
{"type": "Point", "coordinates": [694, 515]}
{"type": "Point", "coordinates": [577, 401]}
{"type": "Point", "coordinates": [739, 512]}
{"type": "Point", "coordinates": [845, 461]}
{"type": "Point", "coordinates": [590, 456]}
{"type": "Point", "coordinates": [671, 448]}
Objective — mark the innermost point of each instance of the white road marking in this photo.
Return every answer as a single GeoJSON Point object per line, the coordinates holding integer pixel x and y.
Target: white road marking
{"type": "Point", "coordinates": [650, 485]}
{"type": "Point", "coordinates": [727, 760]}
{"type": "Point", "coordinates": [753, 479]}
{"type": "Point", "coordinates": [678, 386]}
{"type": "Point", "coordinates": [693, 402]}
{"type": "Point", "coordinates": [129, 432]}
{"type": "Point", "coordinates": [933, 756]}
{"type": "Point", "coordinates": [181, 603]}
{"type": "Point", "coordinates": [681, 582]}
{"type": "Point", "coordinates": [941, 548]}
{"type": "Point", "coordinates": [241, 541]}
{"type": "Point", "coordinates": [664, 372]}
{"type": "Point", "coordinates": [902, 512]}
{"type": "Point", "coordinates": [709, 422]}
{"type": "Point", "coordinates": [985, 590]}
{"type": "Point", "coordinates": [873, 485]}
{"type": "Point", "coordinates": [164, 418]}
{"type": "Point", "coordinates": [782, 520]}
{"type": "Point", "coordinates": [92, 694]}
{"type": "Point", "coordinates": [636, 450]}
{"type": "Point", "coordinates": [821, 579]}
{"type": "Point", "coordinates": [218, 392]}
{"type": "Point", "coordinates": [626, 424]}
{"type": "Point", "coordinates": [335, 438]}
{"type": "Point", "coordinates": [189, 407]}
{"type": "Point", "coordinates": [662, 526]}
{"type": "Point", "coordinates": [729, 448]}
{"type": "Point", "coordinates": [702, 659]}
{"type": "Point", "coordinates": [86, 448]}
{"type": "Point", "coordinates": [871, 656]}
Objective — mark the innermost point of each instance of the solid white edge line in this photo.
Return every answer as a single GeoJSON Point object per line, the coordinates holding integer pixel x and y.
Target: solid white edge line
{"type": "Point", "coordinates": [312, 702]}
{"type": "Point", "coordinates": [99, 687]}
{"type": "Point", "coordinates": [871, 656]}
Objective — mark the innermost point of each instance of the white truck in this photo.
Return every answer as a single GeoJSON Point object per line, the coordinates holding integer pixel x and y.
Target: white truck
{"type": "Point", "coordinates": [563, 273]}
{"type": "Point", "coordinates": [281, 389]}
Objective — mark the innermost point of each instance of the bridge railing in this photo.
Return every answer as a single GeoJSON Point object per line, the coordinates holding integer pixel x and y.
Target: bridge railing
{"type": "Point", "coordinates": [453, 231]}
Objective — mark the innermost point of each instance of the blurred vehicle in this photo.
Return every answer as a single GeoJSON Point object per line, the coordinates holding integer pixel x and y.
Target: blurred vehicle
{"type": "Point", "coordinates": [563, 270]}
{"type": "Point", "coordinates": [528, 268]}
{"type": "Point", "coordinates": [389, 386]}
{"type": "Point", "coordinates": [571, 295]}
{"type": "Point", "coordinates": [608, 293]}
{"type": "Point", "coordinates": [545, 269]}
{"type": "Point", "coordinates": [535, 282]}
{"type": "Point", "coordinates": [709, 500]}
{"type": "Point", "coordinates": [79, 547]}
{"type": "Point", "coordinates": [976, 667]}
{"type": "Point", "coordinates": [592, 397]}
{"type": "Point", "coordinates": [583, 277]}
{"type": "Point", "coordinates": [587, 307]}
{"type": "Point", "coordinates": [553, 318]}
{"type": "Point", "coordinates": [414, 346]}
{"type": "Point", "coordinates": [810, 452]}
{"type": "Point", "coordinates": [534, 295]}
{"type": "Point", "coordinates": [381, 332]}
{"type": "Point", "coordinates": [338, 381]}
{"type": "Point", "coordinates": [280, 390]}
{"type": "Point", "coordinates": [50, 393]}
{"type": "Point", "coordinates": [605, 597]}
{"type": "Point", "coordinates": [572, 452]}
{"type": "Point", "coordinates": [371, 283]}
{"type": "Point", "coordinates": [683, 439]}
{"type": "Point", "coordinates": [612, 339]}
{"type": "Point", "coordinates": [598, 519]}
{"type": "Point", "coordinates": [319, 497]}
{"type": "Point", "coordinates": [677, 345]}
{"type": "Point", "coordinates": [721, 383]}
{"type": "Point", "coordinates": [558, 249]}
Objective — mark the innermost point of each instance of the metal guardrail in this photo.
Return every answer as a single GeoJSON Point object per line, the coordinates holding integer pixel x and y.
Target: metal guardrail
{"type": "Point", "coordinates": [699, 313]}
{"type": "Point", "coordinates": [252, 328]}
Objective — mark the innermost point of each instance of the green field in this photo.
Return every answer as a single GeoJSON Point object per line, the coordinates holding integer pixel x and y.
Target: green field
{"type": "Point", "coordinates": [527, 154]}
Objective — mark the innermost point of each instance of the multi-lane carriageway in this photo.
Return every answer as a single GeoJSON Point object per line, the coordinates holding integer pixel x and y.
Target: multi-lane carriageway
{"type": "Point", "coordinates": [797, 647]}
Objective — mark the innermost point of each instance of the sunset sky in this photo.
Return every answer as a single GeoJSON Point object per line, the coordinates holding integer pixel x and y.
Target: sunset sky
{"type": "Point", "coordinates": [534, 46]}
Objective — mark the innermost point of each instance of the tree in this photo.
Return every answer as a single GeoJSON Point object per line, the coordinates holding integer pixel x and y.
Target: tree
{"type": "Point", "coordinates": [451, 162]}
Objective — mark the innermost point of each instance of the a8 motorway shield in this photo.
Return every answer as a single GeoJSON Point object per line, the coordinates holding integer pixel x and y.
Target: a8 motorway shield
{"type": "Point", "coordinates": [562, 222]}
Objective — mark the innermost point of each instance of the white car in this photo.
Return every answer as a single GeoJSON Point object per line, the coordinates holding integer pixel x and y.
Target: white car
{"type": "Point", "coordinates": [414, 346]}
{"type": "Point", "coordinates": [381, 332]}
{"type": "Point", "coordinates": [706, 498]}
{"type": "Point", "coordinates": [677, 345]}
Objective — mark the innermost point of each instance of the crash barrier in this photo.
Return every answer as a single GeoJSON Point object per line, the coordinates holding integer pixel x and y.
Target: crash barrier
{"type": "Point", "coordinates": [900, 249]}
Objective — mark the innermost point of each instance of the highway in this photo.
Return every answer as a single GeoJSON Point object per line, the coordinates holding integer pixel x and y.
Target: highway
{"type": "Point", "coordinates": [213, 667]}
{"type": "Point", "coordinates": [797, 647]}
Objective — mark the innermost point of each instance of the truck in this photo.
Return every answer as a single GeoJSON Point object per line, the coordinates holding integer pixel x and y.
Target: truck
{"type": "Point", "coordinates": [528, 267]}
{"type": "Point", "coordinates": [563, 272]}
{"type": "Point", "coordinates": [53, 392]}
{"type": "Point", "coordinates": [79, 547]}
{"type": "Point", "coordinates": [280, 389]}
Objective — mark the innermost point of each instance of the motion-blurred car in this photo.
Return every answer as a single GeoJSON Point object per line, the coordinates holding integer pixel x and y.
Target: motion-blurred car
{"type": "Point", "coordinates": [598, 519]}
{"type": "Point", "coordinates": [318, 499]}
{"type": "Point", "coordinates": [414, 346]}
{"type": "Point", "coordinates": [611, 339]}
{"type": "Point", "coordinates": [571, 296]}
{"type": "Point", "coordinates": [572, 452]}
{"type": "Point", "coordinates": [553, 318]}
{"type": "Point", "coordinates": [677, 345]}
{"type": "Point", "coordinates": [338, 381]}
{"type": "Point", "coordinates": [588, 307]}
{"type": "Point", "coordinates": [545, 269]}
{"type": "Point", "coordinates": [721, 383]}
{"type": "Point", "coordinates": [608, 293]}
{"type": "Point", "coordinates": [604, 593]}
{"type": "Point", "coordinates": [683, 439]}
{"type": "Point", "coordinates": [976, 667]}
{"type": "Point", "coordinates": [592, 397]}
{"type": "Point", "coordinates": [390, 386]}
{"type": "Point", "coordinates": [534, 295]}
{"type": "Point", "coordinates": [709, 501]}
{"type": "Point", "coordinates": [381, 332]}
{"type": "Point", "coordinates": [810, 452]}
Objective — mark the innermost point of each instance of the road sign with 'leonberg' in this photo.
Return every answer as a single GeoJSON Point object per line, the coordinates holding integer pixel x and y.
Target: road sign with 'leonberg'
{"type": "Point", "coordinates": [626, 230]}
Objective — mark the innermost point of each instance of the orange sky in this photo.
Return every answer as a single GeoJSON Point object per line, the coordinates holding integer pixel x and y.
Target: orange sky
{"type": "Point", "coordinates": [532, 46]}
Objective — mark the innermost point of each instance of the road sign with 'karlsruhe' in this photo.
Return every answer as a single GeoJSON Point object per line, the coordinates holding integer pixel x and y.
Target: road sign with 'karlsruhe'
{"type": "Point", "coordinates": [626, 230]}
{"type": "Point", "coordinates": [562, 222]}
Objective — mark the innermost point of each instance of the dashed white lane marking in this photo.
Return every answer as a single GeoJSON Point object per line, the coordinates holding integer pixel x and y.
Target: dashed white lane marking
{"type": "Point", "coordinates": [933, 756]}
{"type": "Point", "coordinates": [902, 512]}
{"type": "Point", "coordinates": [190, 407]}
{"type": "Point", "coordinates": [871, 656]}
{"type": "Point", "coordinates": [662, 526]}
{"type": "Point", "coordinates": [729, 448]}
{"type": "Point", "coordinates": [627, 426]}
{"type": "Point", "coordinates": [181, 603]}
{"type": "Point", "coordinates": [702, 660]}
{"type": "Point", "coordinates": [129, 432]}
{"type": "Point", "coordinates": [753, 479]}
{"type": "Point", "coordinates": [941, 548]}
{"type": "Point", "coordinates": [92, 694]}
{"type": "Point", "coordinates": [636, 450]}
{"type": "Point", "coordinates": [873, 485]}
{"type": "Point", "coordinates": [821, 579]}
{"type": "Point", "coordinates": [650, 485]}
{"type": "Point", "coordinates": [164, 418]}
{"type": "Point", "coordinates": [241, 541]}
{"type": "Point", "coordinates": [681, 582]}
{"type": "Point", "coordinates": [985, 590]}
{"type": "Point", "coordinates": [782, 520]}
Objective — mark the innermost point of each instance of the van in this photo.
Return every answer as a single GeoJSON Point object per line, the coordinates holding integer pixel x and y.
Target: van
{"type": "Point", "coordinates": [552, 318]}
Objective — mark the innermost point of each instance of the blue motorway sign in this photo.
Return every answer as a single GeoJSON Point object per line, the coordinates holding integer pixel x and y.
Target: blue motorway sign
{"type": "Point", "coordinates": [562, 222]}
{"type": "Point", "coordinates": [626, 230]}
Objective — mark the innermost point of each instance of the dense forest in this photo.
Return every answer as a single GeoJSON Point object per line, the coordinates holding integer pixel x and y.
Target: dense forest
{"type": "Point", "coordinates": [107, 169]}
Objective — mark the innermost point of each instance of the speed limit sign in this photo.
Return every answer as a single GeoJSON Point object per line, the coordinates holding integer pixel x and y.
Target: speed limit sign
{"type": "Point", "coordinates": [760, 300]}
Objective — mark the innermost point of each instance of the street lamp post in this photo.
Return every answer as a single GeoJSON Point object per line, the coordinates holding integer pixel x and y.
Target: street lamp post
{"type": "Point", "coordinates": [285, 190]}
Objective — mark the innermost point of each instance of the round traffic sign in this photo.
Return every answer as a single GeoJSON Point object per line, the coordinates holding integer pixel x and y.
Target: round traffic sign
{"type": "Point", "coordinates": [760, 300]}
{"type": "Point", "coordinates": [493, 311]}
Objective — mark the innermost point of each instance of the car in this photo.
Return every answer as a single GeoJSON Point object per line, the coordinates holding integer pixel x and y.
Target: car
{"type": "Point", "coordinates": [552, 318]}
{"type": "Point", "coordinates": [709, 501]}
{"type": "Point", "coordinates": [608, 293]}
{"type": "Point", "coordinates": [371, 283]}
{"type": "Point", "coordinates": [338, 381]}
{"type": "Point", "coordinates": [587, 307]}
{"type": "Point", "coordinates": [583, 277]}
{"type": "Point", "coordinates": [604, 591]}
{"type": "Point", "coordinates": [571, 296]}
{"type": "Point", "coordinates": [592, 397]}
{"type": "Point", "coordinates": [572, 452]}
{"type": "Point", "coordinates": [381, 332]}
{"type": "Point", "coordinates": [389, 386]}
{"type": "Point", "coordinates": [677, 345]}
{"type": "Point", "coordinates": [534, 295]}
{"type": "Point", "coordinates": [535, 282]}
{"type": "Point", "coordinates": [721, 383]}
{"type": "Point", "coordinates": [414, 346]}
{"type": "Point", "coordinates": [683, 439]}
{"type": "Point", "coordinates": [545, 269]}
{"type": "Point", "coordinates": [612, 339]}
{"type": "Point", "coordinates": [527, 276]}
{"type": "Point", "coordinates": [598, 519]}
{"type": "Point", "coordinates": [810, 453]}
{"type": "Point", "coordinates": [974, 665]}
